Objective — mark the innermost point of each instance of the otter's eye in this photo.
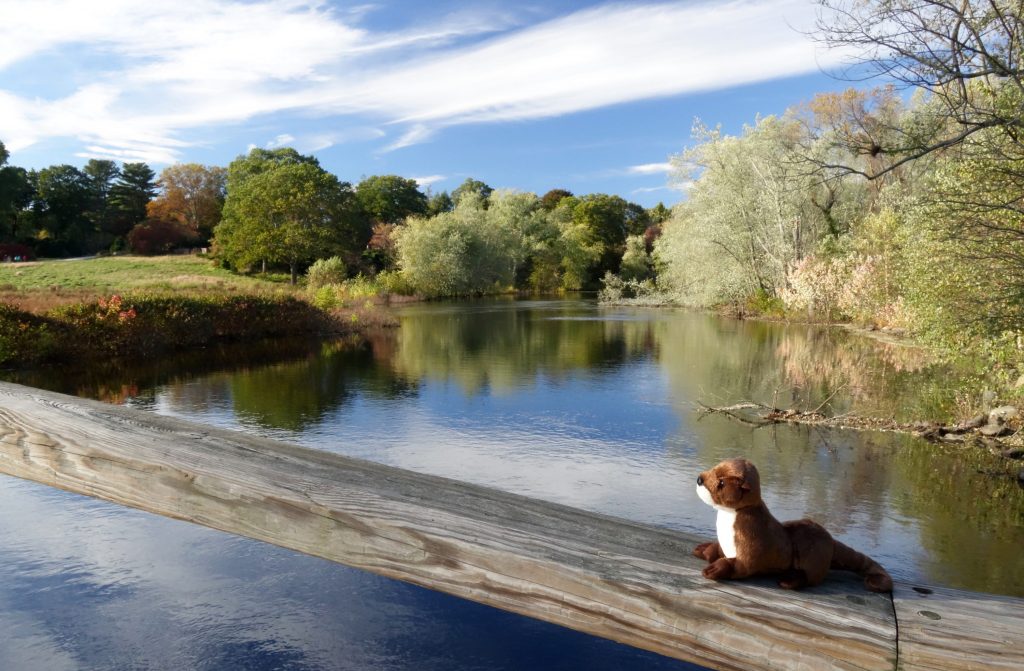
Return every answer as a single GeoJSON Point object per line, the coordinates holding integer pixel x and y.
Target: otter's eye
{"type": "Point", "coordinates": [721, 483]}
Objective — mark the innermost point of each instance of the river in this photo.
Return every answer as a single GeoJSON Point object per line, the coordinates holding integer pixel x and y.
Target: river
{"type": "Point", "coordinates": [561, 400]}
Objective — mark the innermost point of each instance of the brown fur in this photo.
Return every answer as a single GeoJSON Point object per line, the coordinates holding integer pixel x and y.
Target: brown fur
{"type": "Point", "coordinates": [799, 552]}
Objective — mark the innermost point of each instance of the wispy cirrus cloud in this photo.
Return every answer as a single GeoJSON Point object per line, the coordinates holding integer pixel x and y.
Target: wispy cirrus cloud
{"type": "Point", "coordinates": [162, 70]}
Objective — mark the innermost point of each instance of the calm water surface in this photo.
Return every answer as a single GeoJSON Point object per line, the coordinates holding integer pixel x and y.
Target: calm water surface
{"type": "Point", "coordinates": [559, 400]}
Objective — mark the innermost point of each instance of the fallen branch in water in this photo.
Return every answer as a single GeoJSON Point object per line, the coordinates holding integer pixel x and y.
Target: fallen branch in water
{"type": "Point", "coordinates": [1000, 428]}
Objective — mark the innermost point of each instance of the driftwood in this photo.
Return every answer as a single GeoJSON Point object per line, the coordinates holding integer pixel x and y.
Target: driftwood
{"type": "Point", "coordinates": [999, 434]}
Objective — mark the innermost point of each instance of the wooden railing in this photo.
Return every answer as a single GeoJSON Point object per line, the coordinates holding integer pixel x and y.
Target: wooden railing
{"type": "Point", "coordinates": [609, 577]}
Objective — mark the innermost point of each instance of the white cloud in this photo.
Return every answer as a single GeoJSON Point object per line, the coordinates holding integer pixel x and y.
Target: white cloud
{"type": "Point", "coordinates": [596, 57]}
{"type": "Point", "coordinates": [171, 67]}
{"type": "Point", "coordinates": [282, 140]}
{"type": "Point", "coordinates": [416, 134]}
{"type": "Point", "coordinates": [650, 169]}
{"type": "Point", "coordinates": [674, 186]}
{"type": "Point", "coordinates": [427, 180]}
{"type": "Point", "coordinates": [318, 141]}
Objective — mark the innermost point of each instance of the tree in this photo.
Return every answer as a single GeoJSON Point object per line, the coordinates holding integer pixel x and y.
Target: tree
{"type": "Point", "coordinates": [967, 224]}
{"type": "Point", "coordinates": [473, 249]}
{"type": "Point", "coordinates": [472, 186]}
{"type": "Point", "coordinates": [289, 212]}
{"type": "Point", "coordinates": [16, 195]}
{"type": "Point", "coordinates": [564, 251]}
{"type": "Point", "coordinates": [193, 196]}
{"type": "Point", "coordinates": [967, 55]}
{"type": "Point", "coordinates": [438, 203]}
{"type": "Point", "coordinates": [605, 217]}
{"type": "Point", "coordinates": [749, 216]}
{"type": "Point", "coordinates": [659, 214]}
{"type": "Point", "coordinates": [100, 174]}
{"type": "Point", "coordinates": [261, 160]}
{"type": "Point", "coordinates": [389, 199]}
{"type": "Point", "coordinates": [16, 192]}
{"type": "Point", "coordinates": [63, 197]}
{"type": "Point", "coordinates": [550, 200]}
{"type": "Point", "coordinates": [636, 262]}
{"type": "Point", "coordinates": [129, 195]}
{"type": "Point", "coordinates": [636, 219]}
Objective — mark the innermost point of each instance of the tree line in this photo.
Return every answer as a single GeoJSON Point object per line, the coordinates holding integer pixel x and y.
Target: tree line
{"type": "Point", "coordinates": [281, 210]}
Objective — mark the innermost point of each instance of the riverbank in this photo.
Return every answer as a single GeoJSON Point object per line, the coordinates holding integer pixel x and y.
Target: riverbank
{"type": "Point", "coordinates": [67, 311]}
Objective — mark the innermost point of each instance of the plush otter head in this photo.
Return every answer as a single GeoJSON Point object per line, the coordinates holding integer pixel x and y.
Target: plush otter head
{"type": "Point", "coordinates": [731, 485]}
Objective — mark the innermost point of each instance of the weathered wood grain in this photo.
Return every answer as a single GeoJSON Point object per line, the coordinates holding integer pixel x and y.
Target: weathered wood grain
{"type": "Point", "coordinates": [628, 582]}
{"type": "Point", "coordinates": [943, 629]}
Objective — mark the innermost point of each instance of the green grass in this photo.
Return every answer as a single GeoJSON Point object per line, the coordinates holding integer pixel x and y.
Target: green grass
{"type": "Point", "coordinates": [41, 285]}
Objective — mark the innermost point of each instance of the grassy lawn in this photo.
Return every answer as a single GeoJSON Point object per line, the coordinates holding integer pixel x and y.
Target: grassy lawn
{"type": "Point", "coordinates": [40, 284]}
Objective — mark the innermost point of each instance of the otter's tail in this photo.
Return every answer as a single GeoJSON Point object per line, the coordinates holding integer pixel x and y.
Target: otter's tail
{"type": "Point", "coordinates": [845, 558]}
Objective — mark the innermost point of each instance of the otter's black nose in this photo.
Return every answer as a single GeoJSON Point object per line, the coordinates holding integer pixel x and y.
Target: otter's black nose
{"type": "Point", "coordinates": [700, 479]}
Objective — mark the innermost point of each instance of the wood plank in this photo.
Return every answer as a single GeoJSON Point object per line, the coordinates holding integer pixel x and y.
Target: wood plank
{"type": "Point", "coordinates": [629, 582]}
{"type": "Point", "coordinates": [942, 629]}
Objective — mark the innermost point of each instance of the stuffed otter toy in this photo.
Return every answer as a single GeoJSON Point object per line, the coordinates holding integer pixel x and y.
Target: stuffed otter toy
{"type": "Point", "coordinates": [752, 542]}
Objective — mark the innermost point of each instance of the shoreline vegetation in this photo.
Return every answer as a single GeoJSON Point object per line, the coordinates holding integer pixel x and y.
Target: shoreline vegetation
{"type": "Point", "coordinates": [59, 312]}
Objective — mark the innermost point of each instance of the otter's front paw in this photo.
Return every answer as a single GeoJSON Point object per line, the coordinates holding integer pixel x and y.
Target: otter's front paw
{"type": "Point", "coordinates": [721, 569]}
{"type": "Point", "coordinates": [709, 552]}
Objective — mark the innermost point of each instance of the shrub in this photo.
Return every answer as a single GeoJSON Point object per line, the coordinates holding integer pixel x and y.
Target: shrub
{"type": "Point", "coordinates": [25, 338]}
{"type": "Point", "coordinates": [617, 290]}
{"type": "Point", "coordinates": [157, 236]}
{"type": "Point", "coordinates": [326, 297]}
{"type": "Point", "coordinates": [324, 272]}
{"type": "Point", "coordinates": [814, 286]}
{"type": "Point", "coordinates": [394, 282]}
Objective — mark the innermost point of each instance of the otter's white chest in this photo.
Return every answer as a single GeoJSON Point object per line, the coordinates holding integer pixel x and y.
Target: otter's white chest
{"type": "Point", "coordinates": [726, 531]}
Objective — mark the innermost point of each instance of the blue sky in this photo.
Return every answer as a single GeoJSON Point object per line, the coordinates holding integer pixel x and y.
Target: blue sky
{"type": "Point", "coordinates": [588, 96]}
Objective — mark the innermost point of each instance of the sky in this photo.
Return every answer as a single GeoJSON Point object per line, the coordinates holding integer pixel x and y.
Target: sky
{"type": "Point", "coordinates": [586, 96]}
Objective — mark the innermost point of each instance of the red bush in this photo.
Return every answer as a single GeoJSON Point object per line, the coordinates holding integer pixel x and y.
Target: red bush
{"type": "Point", "coordinates": [157, 236]}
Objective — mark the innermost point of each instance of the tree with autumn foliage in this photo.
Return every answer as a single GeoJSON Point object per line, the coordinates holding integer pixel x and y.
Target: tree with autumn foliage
{"type": "Point", "coordinates": [193, 197]}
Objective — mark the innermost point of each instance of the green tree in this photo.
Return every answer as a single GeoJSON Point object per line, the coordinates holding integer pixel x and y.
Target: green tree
{"type": "Point", "coordinates": [62, 200]}
{"type": "Point", "coordinates": [261, 160]}
{"type": "Point", "coordinates": [286, 211]}
{"type": "Point", "coordinates": [16, 193]}
{"type": "Point", "coordinates": [636, 262]}
{"type": "Point", "coordinates": [564, 251]}
{"type": "Point", "coordinates": [750, 215]}
{"type": "Point", "coordinates": [100, 175]}
{"type": "Point", "coordinates": [471, 250]}
{"type": "Point", "coordinates": [389, 199]}
{"type": "Point", "coordinates": [438, 203]}
{"type": "Point", "coordinates": [636, 218]}
{"type": "Point", "coordinates": [659, 213]}
{"type": "Point", "coordinates": [129, 195]}
{"type": "Point", "coordinates": [472, 186]}
{"type": "Point", "coordinates": [604, 216]}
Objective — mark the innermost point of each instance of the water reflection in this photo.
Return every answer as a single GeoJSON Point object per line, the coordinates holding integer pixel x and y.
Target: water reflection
{"type": "Point", "coordinates": [595, 408]}
{"type": "Point", "coordinates": [103, 587]}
